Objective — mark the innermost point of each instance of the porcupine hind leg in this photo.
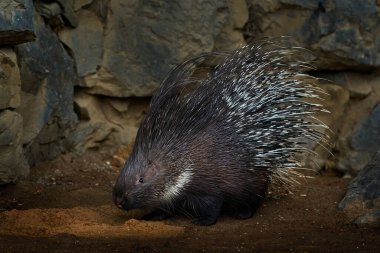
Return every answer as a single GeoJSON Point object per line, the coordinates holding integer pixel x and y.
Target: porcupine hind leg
{"type": "Point", "coordinates": [157, 214]}
{"type": "Point", "coordinates": [246, 211]}
{"type": "Point", "coordinates": [207, 210]}
{"type": "Point", "coordinates": [252, 198]}
{"type": "Point", "coordinates": [246, 206]}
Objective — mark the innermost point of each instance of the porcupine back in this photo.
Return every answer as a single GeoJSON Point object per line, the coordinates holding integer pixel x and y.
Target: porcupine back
{"type": "Point", "coordinates": [219, 140]}
{"type": "Point", "coordinates": [258, 95]}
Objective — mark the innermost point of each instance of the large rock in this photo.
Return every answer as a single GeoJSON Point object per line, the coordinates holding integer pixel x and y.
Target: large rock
{"type": "Point", "coordinates": [345, 33]}
{"type": "Point", "coordinates": [230, 36]}
{"type": "Point", "coordinates": [358, 84]}
{"type": "Point", "coordinates": [144, 40]}
{"type": "Point", "coordinates": [13, 164]}
{"type": "Point", "coordinates": [106, 123]}
{"type": "Point", "coordinates": [57, 13]}
{"type": "Point", "coordinates": [48, 78]}
{"type": "Point", "coordinates": [12, 161]}
{"type": "Point", "coordinates": [362, 200]}
{"type": "Point", "coordinates": [86, 42]}
{"type": "Point", "coordinates": [10, 83]}
{"type": "Point", "coordinates": [16, 21]}
{"type": "Point", "coordinates": [359, 131]}
{"type": "Point", "coordinates": [366, 138]}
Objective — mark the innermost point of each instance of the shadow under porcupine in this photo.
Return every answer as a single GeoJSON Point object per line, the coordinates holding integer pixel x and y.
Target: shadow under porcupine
{"type": "Point", "coordinates": [215, 143]}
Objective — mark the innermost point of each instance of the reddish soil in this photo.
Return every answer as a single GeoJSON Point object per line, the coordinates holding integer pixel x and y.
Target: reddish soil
{"type": "Point", "coordinates": [65, 206]}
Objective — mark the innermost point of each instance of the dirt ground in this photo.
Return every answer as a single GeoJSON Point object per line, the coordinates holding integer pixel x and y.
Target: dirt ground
{"type": "Point", "coordinates": [65, 206]}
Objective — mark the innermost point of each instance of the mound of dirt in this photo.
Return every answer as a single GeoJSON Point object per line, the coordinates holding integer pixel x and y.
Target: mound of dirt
{"type": "Point", "coordinates": [79, 221]}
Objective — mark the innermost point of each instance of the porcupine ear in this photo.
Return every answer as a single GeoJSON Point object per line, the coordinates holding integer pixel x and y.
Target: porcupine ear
{"type": "Point", "coordinates": [178, 85]}
{"type": "Point", "coordinates": [182, 81]}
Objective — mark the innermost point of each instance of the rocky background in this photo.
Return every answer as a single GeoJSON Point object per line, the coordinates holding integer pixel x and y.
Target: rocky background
{"type": "Point", "coordinates": [76, 75]}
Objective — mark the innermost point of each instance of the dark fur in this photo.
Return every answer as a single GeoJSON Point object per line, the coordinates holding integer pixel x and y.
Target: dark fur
{"type": "Point", "coordinates": [187, 127]}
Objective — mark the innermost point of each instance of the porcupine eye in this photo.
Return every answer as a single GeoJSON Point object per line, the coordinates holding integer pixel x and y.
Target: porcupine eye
{"type": "Point", "coordinates": [141, 180]}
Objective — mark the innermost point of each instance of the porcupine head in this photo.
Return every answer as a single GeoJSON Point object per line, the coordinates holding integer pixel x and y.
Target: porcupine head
{"type": "Point", "coordinates": [213, 144]}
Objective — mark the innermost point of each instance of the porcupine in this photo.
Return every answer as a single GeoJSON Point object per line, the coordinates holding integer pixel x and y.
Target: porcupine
{"type": "Point", "coordinates": [213, 144]}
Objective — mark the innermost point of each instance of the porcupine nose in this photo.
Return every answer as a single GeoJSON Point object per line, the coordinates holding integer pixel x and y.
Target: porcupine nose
{"type": "Point", "coordinates": [117, 198]}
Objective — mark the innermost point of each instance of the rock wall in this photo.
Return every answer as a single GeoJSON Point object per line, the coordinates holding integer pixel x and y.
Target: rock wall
{"type": "Point", "coordinates": [130, 47]}
{"type": "Point", "coordinates": [13, 162]}
{"type": "Point", "coordinates": [78, 74]}
{"type": "Point", "coordinates": [344, 35]}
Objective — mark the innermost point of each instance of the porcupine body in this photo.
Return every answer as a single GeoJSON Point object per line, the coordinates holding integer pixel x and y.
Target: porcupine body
{"type": "Point", "coordinates": [213, 144]}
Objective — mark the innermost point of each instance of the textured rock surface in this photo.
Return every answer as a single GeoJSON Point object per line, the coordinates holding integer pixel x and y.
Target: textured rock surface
{"type": "Point", "coordinates": [362, 200]}
{"type": "Point", "coordinates": [106, 121]}
{"type": "Point", "coordinates": [144, 40]}
{"type": "Point", "coordinates": [10, 84]}
{"type": "Point", "coordinates": [86, 42]}
{"type": "Point", "coordinates": [358, 84]}
{"type": "Point", "coordinates": [48, 79]}
{"type": "Point", "coordinates": [16, 21]}
{"type": "Point", "coordinates": [68, 12]}
{"type": "Point", "coordinates": [12, 161]}
{"type": "Point", "coordinates": [357, 135]}
{"type": "Point", "coordinates": [344, 33]}
{"type": "Point", "coordinates": [366, 138]}
{"type": "Point", "coordinates": [231, 35]}
{"type": "Point", "coordinates": [78, 4]}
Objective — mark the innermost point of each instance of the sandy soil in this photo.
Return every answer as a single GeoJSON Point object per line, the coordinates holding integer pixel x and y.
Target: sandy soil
{"type": "Point", "coordinates": [65, 206]}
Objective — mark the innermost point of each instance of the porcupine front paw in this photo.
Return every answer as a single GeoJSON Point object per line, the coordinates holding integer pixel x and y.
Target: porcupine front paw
{"type": "Point", "coordinates": [157, 214]}
{"type": "Point", "coordinates": [208, 211]}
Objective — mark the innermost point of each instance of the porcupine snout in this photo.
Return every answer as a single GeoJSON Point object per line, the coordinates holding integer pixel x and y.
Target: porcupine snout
{"type": "Point", "coordinates": [118, 196]}
{"type": "Point", "coordinates": [121, 196]}
{"type": "Point", "coordinates": [122, 199]}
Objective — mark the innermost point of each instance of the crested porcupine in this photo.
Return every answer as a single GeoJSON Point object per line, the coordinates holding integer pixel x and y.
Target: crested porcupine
{"type": "Point", "coordinates": [213, 144]}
